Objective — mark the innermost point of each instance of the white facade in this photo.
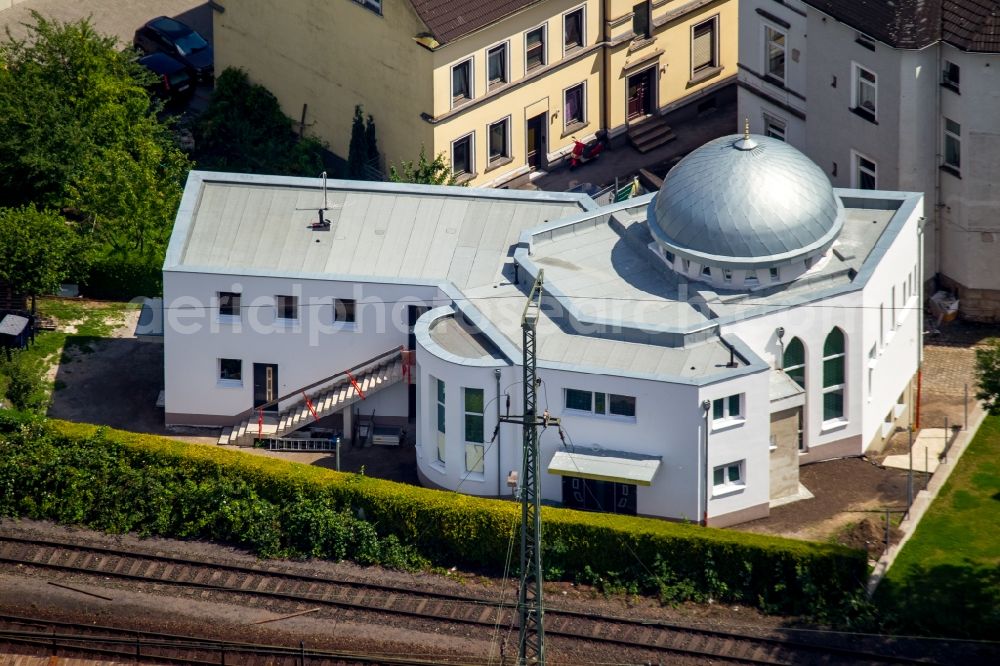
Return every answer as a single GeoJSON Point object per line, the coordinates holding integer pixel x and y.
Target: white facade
{"type": "Point", "coordinates": [629, 353]}
{"type": "Point", "coordinates": [917, 96]}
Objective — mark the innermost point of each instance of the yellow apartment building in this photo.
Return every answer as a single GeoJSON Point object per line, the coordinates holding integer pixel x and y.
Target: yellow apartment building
{"type": "Point", "coordinates": [501, 87]}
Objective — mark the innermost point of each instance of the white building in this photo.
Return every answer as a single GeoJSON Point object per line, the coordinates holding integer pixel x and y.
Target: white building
{"type": "Point", "coordinates": [698, 344]}
{"type": "Point", "coordinates": [891, 95]}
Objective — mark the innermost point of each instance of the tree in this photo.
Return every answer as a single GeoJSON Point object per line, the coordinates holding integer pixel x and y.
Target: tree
{"type": "Point", "coordinates": [434, 172]}
{"type": "Point", "coordinates": [244, 129]}
{"type": "Point", "coordinates": [38, 250]}
{"type": "Point", "coordinates": [357, 152]}
{"type": "Point", "coordinates": [79, 133]}
{"type": "Point", "coordinates": [988, 375]}
{"type": "Point", "coordinates": [371, 144]}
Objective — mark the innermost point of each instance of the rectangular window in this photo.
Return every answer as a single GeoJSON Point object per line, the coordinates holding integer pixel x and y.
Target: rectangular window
{"type": "Point", "coordinates": [952, 144]}
{"type": "Point", "coordinates": [703, 47]}
{"type": "Point", "coordinates": [581, 400]}
{"type": "Point", "coordinates": [833, 404]}
{"type": "Point", "coordinates": [461, 156]}
{"type": "Point", "coordinates": [728, 408]}
{"type": "Point", "coordinates": [461, 82]}
{"type": "Point", "coordinates": [865, 173]}
{"type": "Point", "coordinates": [474, 415]}
{"type": "Point", "coordinates": [497, 65]}
{"type": "Point", "coordinates": [773, 273]}
{"type": "Point", "coordinates": [344, 309]}
{"type": "Point", "coordinates": [951, 75]}
{"type": "Point", "coordinates": [474, 433]}
{"type": "Point", "coordinates": [229, 304]}
{"type": "Point", "coordinates": [534, 48]}
{"type": "Point", "coordinates": [865, 92]}
{"type": "Point", "coordinates": [374, 5]}
{"type": "Point", "coordinates": [725, 477]}
{"type": "Point", "coordinates": [621, 405]}
{"type": "Point", "coordinates": [727, 275]}
{"type": "Point", "coordinates": [892, 299]}
{"type": "Point", "coordinates": [474, 454]}
{"type": "Point", "coordinates": [641, 20]}
{"type": "Point", "coordinates": [574, 106]}
{"type": "Point", "coordinates": [773, 127]}
{"type": "Point", "coordinates": [499, 135]}
{"type": "Point", "coordinates": [669, 256]}
{"type": "Point", "coordinates": [440, 421]}
{"type": "Point", "coordinates": [774, 47]}
{"type": "Point", "coordinates": [231, 369]}
{"type": "Point", "coordinates": [287, 307]}
{"type": "Point", "coordinates": [601, 403]}
{"type": "Point", "coordinates": [573, 30]}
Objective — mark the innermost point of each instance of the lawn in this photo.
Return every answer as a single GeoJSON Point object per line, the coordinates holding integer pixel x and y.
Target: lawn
{"type": "Point", "coordinates": [946, 580]}
{"type": "Point", "coordinates": [78, 322]}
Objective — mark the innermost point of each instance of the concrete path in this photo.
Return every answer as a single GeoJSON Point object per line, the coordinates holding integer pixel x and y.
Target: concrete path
{"type": "Point", "coordinates": [927, 449]}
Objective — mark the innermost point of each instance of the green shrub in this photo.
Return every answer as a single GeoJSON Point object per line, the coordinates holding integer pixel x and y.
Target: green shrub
{"type": "Point", "coordinates": [119, 481]}
{"type": "Point", "coordinates": [116, 276]}
{"type": "Point", "coordinates": [22, 383]}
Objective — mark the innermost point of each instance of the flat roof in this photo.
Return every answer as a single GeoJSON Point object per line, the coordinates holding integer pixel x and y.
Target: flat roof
{"type": "Point", "coordinates": [612, 306]}
{"type": "Point", "coordinates": [407, 232]}
{"type": "Point", "coordinates": [456, 339]}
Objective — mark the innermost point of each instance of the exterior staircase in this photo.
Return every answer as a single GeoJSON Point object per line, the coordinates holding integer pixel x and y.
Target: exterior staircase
{"type": "Point", "coordinates": [649, 133]}
{"type": "Point", "coordinates": [323, 398]}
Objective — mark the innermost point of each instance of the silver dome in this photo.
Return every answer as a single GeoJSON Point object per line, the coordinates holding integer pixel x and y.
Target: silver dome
{"type": "Point", "coordinates": [745, 202]}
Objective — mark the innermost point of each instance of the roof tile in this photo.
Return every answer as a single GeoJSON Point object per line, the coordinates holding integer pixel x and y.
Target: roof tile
{"type": "Point", "coordinates": [449, 20]}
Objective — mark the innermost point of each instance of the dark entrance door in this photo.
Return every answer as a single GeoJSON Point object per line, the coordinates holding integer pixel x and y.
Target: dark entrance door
{"type": "Point", "coordinates": [536, 141]}
{"type": "Point", "coordinates": [640, 93]}
{"type": "Point", "coordinates": [591, 495]}
{"type": "Point", "coordinates": [413, 313]}
{"type": "Point", "coordinates": [265, 385]}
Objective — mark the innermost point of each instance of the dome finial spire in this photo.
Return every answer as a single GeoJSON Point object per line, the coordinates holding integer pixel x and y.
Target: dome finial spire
{"type": "Point", "coordinates": [746, 143]}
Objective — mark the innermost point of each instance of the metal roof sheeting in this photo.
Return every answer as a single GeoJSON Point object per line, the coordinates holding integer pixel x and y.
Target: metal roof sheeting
{"type": "Point", "coordinates": [601, 465]}
{"type": "Point", "coordinates": [768, 203]}
{"type": "Point", "coordinates": [383, 233]}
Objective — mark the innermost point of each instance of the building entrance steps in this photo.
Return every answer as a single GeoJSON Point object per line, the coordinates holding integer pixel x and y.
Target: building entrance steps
{"type": "Point", "coordinates": [650, 133]}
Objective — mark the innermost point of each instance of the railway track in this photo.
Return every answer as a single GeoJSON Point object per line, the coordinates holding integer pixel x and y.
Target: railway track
{"type": "Point", "coordinates": [70, 639]}
{"type": "Point", "coordinates": [271, 587]}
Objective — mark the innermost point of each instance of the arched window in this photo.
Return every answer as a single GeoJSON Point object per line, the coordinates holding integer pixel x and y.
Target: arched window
{"type": "Point", "coordinates": [833, 375]}
{"type": "Point", "coordinates": [794, 361]}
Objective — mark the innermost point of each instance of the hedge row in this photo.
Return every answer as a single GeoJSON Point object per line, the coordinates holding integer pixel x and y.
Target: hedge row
{"type": "Point", "coordinates": [118, 481]}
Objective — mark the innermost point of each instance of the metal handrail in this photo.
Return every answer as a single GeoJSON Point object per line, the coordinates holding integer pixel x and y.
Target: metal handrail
{"type": "Point", "coordinates": [342, 374]}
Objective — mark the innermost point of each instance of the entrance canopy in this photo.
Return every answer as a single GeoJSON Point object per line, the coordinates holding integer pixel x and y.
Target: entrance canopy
{"type": "Point", "coordinates": [603, 465]}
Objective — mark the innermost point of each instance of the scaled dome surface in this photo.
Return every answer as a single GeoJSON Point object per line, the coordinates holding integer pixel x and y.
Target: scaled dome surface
{"type": "Point", "coordinates": [746, 201]}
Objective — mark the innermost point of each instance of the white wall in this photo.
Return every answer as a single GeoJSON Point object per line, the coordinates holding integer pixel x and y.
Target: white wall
{"type": "Point", "coordinates": [748, 441]}
{"type": "Point", "coordinates": [898, 347]}
{"type": "Point", "coordinates": [752, 59]}
{"type": "Point", "coordinates": [833, 130]}
{"type": "Point", "coordinates": [668, 423]}
{"type": "Point", "coordinates": [970, 216]}
{"type": "Point", "coordinates": [194, 338]}
{"type": "Point", "coordinates": [500, 457]}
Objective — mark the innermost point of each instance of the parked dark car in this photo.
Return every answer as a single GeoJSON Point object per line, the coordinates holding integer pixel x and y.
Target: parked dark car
{"type": "Point", "coordinates": [174, 85]}
{"type": "Point", "coordinates": [170, 36]}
